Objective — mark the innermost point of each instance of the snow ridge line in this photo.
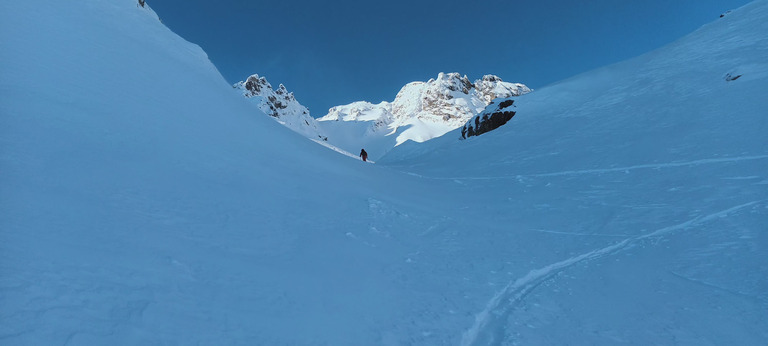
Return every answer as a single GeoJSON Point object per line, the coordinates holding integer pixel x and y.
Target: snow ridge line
{"type": "Point", "coordinates": [516, 290]}
{"type": "Point", "coordinates": [608, 170]}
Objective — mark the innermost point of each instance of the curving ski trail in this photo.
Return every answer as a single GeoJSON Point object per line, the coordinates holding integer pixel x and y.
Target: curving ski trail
{"type": "Point", "coordinates": [516, 290]}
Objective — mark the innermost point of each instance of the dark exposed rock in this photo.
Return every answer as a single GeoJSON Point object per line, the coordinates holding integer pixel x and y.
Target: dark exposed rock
{"type": "Point", "coordinates": [466, 85]}
{"type": "Point", "coordinates": [470, 131]}
{"type": "Point", "coordinates": [506, 103]}
{"type": "Point", "coordinates": [254, 84]}
{"type": "Point", "coordinates": [492, 118]}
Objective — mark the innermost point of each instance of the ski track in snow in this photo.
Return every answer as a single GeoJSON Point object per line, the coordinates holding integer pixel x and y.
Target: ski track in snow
{"type": "Point", "coordinates": [339, 150]}
{"type": "Point", "coordinates": [580, 234]}
{"type": "Point", "coordinates": [490, 319]}
{"type": "Point", "coordinates": [655, 166]}
{"type": "Point", "coordinates": [610, 170]}
{"type": "Point", "coordinates": [719, 288]}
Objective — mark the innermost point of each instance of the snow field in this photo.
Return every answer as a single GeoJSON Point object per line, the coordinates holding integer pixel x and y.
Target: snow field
{"type": "Point", "coordinates": [142, 202]}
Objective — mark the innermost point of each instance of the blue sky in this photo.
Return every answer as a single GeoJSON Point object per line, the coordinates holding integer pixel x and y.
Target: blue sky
{"type": "Point", "coordinates": [336, 52]}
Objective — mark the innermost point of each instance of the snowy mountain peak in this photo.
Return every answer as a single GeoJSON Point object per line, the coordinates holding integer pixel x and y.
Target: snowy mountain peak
{"type": "Point", "coordinates": [282, 91]}
{"type": "Point", "coordinates": [421, 111]}
{"type": "Point", "coordinates": [452, 98]}
{"type": "Point", "coordinates": [277, 103]}
{"type": "Point", "coordinates": [361, 111]}
{"type": "Point", "coordinates": [254, 84]}
{"type": "Point", "coordinates": [280, 104]}
{"type": "Point", "coordinates": [454, 82]}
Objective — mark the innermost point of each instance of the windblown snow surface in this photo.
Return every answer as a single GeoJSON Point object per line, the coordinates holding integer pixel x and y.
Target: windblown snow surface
{"type": "Point", "coordinates": [142, 202]}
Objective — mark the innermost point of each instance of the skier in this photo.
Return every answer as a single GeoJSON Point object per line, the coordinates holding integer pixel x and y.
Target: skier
{"type": "Point", "coordinates": [363, 154]}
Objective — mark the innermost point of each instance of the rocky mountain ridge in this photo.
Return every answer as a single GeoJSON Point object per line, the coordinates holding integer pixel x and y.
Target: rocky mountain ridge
{"type": "Point", "coordinates": [450, 98]}
{"type": "Point", "coordinates": [420, 111]}
{"type": "Point", "coordinates": [280, 104]}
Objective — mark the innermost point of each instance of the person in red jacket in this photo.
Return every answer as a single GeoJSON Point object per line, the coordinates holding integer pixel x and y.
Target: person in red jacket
{"type": "Point", "coordinates": [363, 154]}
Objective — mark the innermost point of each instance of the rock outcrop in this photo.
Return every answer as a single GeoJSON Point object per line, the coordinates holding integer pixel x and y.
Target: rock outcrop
{"type": "Point", "coordinates": [495, 116]}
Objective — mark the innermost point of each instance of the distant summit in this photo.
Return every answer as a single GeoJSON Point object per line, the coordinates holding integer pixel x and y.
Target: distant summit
{"type": "Point", "coordinates": [280, 104]}
{"type": "Point", "coordinates": [421, 111]}
{"type": "Point", "coordinates": [451, 99]}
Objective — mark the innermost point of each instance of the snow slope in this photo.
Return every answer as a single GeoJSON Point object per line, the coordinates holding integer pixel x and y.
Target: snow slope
{"type": "Point", "coordinates": [647, 180]}
{"type": "Point", "coordinates": [159, 210]}
{"type": "Point", "coordinates": [625, 205]}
